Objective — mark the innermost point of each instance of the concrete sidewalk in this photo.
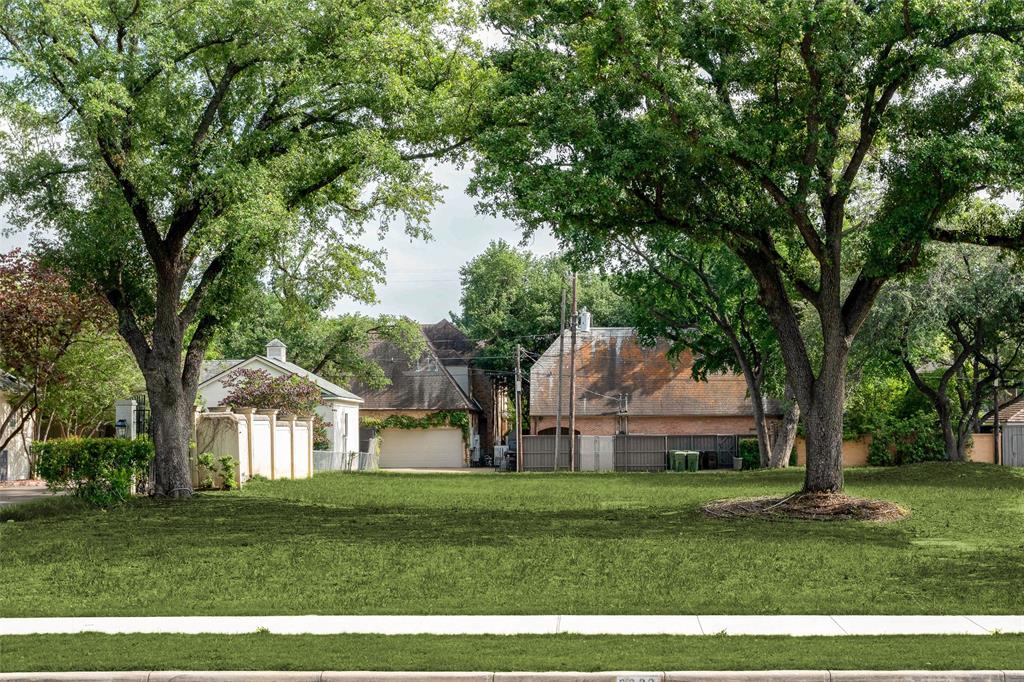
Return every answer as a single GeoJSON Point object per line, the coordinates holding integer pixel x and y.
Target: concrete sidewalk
{"type": "Point", "coordinates": [23, 493]}
{"type": "Point", "coordinates": [522, 625]}
{"type": "Point", "coordinates": [683, 676]}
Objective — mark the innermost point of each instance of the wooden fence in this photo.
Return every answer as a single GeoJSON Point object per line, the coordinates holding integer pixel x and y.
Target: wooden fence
{"type": "Point", "coordinates": [539, 453]}
{"type": "Point", "coordinates": [634, 452]}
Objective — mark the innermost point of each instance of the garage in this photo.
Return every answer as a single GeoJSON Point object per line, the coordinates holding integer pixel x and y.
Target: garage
{"type": "Point", "coordinates": [439, 448]}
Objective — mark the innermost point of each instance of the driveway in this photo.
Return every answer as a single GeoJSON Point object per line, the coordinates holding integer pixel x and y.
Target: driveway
{"type": "Point", "coordinates": [22, 493]}
{"type": "Point", "coordinates": [439, 470]}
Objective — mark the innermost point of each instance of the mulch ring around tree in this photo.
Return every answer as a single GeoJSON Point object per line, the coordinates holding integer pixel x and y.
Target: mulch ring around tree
{"type": "Point", "coordinates": [806, 506]}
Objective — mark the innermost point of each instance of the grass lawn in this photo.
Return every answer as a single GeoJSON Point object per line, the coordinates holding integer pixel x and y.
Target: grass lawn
{"type": "Point", "coordinates": [554, 652]}
{"type": "Point", "coordinates": [523, 544]}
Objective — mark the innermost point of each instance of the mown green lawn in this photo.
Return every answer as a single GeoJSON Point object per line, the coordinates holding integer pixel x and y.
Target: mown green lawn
{"type": "Point", "coordinates": [505, 543]}
{"type": "Point", "coordinates": [534, 652]}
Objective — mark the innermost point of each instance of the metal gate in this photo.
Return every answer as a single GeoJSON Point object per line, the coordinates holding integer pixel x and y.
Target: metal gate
{"type": "Point", "coordinates": [143, 416]}
{"type": "Point", "coordinates": [1012, 445]}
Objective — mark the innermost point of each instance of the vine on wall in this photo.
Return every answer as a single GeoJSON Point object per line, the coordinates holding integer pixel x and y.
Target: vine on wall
{"type": "Point", "coordinates": [458, 419]}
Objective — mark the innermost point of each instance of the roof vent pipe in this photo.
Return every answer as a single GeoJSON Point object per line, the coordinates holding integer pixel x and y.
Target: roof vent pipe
{"type": "Point", "coordinates": [277, 351]}
{"type": "Point", "coordinates": [584, 325]}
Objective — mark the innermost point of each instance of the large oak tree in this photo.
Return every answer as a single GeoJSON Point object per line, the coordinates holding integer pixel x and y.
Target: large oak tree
{"type": "Point", "coordinates": [825, 142]}
{"type": "Point", "coordinates": [169, 150]}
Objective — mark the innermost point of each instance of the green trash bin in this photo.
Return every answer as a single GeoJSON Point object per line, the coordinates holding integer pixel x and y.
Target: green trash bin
{"type": "Point", "coordinates": [692, 460]}
{"type": "Point", "coordinates": [676, 460]}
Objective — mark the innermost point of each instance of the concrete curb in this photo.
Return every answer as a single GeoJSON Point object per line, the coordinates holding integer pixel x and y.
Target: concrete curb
{"type": "Point", "coordinates": [611, 676]}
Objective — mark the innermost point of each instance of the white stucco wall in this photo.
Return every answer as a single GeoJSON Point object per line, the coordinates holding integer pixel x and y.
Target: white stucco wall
{"type": "Point", "coordinates": [334, 411]}
{"type": "Point", "coordinates": [282, 451]}
{"type": "Point", "coordinates": [261, 445]}
{"type": "Point", "coordinates": [300, 450]}
{"type": "Point", "coordinates": [243, 450]}
{"type": "Point", "coordinates": [17, 449]}
{"type": "Point", "coordinates": [223, 434]}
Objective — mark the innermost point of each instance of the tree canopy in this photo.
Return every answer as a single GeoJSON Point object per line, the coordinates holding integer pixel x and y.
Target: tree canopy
{"type": "Point", "coordinates": [41, 319]}
{"type": "Point", "coordinates": [168, 152]}
{"type": "Point", "coordinates": [825, 144]}
{"type": "Point", "coordinates": [957, 330]}
{"type": "Point", "coordinates": [701, 298]}
{"type": "Point", "coordinates": [511, 297]}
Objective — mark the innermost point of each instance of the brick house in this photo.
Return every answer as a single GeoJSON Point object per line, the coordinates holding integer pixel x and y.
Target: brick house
{"type": "Point", "coordinates": [442, 380]}
{"type": "Point", "coordinates": [624, 387]}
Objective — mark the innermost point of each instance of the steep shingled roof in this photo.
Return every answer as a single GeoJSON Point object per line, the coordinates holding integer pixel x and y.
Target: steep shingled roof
{"type": "Point", "coordinates": [614, 372]}
{"type": "Point", "coordinates": [422, 384]}
{"type": "Point", "coordinates": [448, 342]}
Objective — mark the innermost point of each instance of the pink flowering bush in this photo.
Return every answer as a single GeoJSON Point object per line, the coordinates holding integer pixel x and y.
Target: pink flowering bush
{"type": "Point", "coordinates": [288, 394]}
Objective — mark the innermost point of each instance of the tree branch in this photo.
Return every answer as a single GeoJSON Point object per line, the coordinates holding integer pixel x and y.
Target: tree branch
{"type": "Point", "coordinates": [210, 274]}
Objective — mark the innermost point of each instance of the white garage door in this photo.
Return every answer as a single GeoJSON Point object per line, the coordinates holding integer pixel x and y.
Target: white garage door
{"type": "Point", "coordinates": [421, 448]}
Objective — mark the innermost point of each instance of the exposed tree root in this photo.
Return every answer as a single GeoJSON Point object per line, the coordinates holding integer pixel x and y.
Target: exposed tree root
{"type": "Point", "coordinates": [807, 506]}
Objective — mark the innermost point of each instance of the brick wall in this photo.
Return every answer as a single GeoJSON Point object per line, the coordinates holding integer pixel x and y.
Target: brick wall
{"type": "Point", "coordinates": [655, 426]}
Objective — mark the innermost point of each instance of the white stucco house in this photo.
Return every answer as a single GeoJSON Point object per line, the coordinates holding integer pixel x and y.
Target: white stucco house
{"type": "Point", "coordinates": [340, 408]}
{"type": "Point", "coordinates": [14, 457]}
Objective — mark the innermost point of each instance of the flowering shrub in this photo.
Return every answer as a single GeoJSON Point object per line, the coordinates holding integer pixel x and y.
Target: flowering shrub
{"type": "Point", "coordinates": [289, 394]}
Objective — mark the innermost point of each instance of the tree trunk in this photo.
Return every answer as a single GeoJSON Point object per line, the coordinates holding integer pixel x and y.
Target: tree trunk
{"type": "Point", "coordinates": [171, 383]}
{"type": "Point", "coordinates": [785, 435]}
{"type": "Point", "coordinates": [949, 436]}
{"type": "Point", "coordinates": [764, 440]}
{"type": "Point", "coordinates": [172, 430]}
{"type": "Point", "coordinates": [760, 420]}
{"type": "Point", "coordinates": [823, 421]}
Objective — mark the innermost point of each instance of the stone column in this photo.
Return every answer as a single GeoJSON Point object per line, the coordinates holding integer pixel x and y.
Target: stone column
{"type": "Point", "coordinates": [247, 412]}
{"type": "Point", "coordinates": [124, 411]}
{"type": "Point", "coordinates": [272, 416]}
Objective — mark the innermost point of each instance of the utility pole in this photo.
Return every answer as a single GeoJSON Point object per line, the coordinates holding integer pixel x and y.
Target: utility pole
{"type": "Point", "coordinates": [561, 367]}
{"type": "Point", "coordinates": [996, 453]}
{"type": "Point", "coordinates": [572, 379]}
{"type": "Point", "coordinates": [519, 410]}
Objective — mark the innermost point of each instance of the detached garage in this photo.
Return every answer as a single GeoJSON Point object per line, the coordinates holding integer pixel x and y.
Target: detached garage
{"type": "Point", "coordinates": [435, 448]}
{"type": "Point", "coordinates": [424, 416]}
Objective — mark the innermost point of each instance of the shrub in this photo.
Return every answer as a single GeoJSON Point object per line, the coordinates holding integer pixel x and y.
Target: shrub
{"type": "Point", "coordinates": [750, 453]}
{"type": "Point", "coordinates": [907, 440]}
{"type": "Point", "coordinates": [222, 468]}
{"type": "Point", "coordinates": [99, 470]}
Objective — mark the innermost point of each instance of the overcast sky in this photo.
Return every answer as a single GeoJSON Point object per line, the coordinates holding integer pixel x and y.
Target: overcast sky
{"type": "Point", "coordinates": [423, 277]}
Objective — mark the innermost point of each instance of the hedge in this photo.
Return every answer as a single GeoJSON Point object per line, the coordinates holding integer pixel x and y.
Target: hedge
{"type": "Point", "coordinates": [100, 470]}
